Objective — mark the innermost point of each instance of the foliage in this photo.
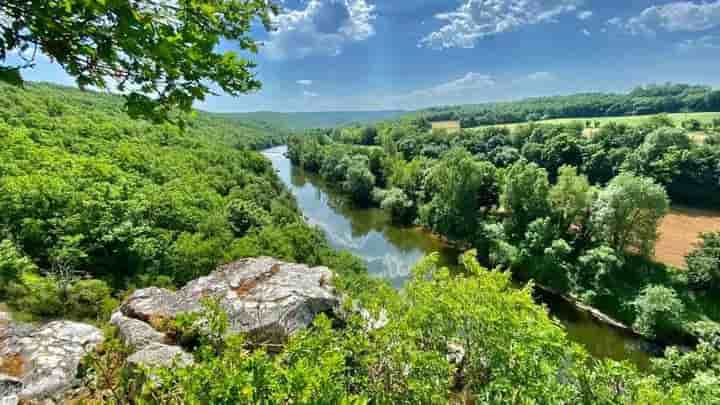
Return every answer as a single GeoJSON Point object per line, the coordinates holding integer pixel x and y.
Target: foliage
{"type": "Point", "coordinates": [164, 53]}
{"type": "Point", "coordinates": [627, 213]}
{"type": "Point", "coordinates": [659, 311]}
{"type": "Point", "coordinates": [12, 265]}
{"type": "Point", "coordinates": [524, 195]}
{"type": "Point", "coordinates": [703, 263]}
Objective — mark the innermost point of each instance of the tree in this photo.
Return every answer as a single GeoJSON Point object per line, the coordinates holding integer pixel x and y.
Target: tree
{"type": "Point", "coordinates": [570, 198]}
{"type": "Point", "coordinates": [163, 52]}
{"type": "Point", "coordinates": [627, 213]}
{"type": "Point", "coordinates": [359, 181]}
{"type": "Point", "coordinates": [401, 208]}
{"type": "Point", "coordinates": [659, 311]}
{"type": "Point", "coordinates": [703, 263]}
{"type": "Point", "coordinates": [524, 195]}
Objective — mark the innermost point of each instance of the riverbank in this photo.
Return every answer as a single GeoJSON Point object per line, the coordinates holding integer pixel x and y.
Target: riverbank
{"type": "Point", "coordinates": [390, 251]}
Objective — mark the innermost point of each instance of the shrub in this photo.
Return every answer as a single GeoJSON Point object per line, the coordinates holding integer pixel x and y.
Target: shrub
{"type": "Point", "coordinates": [12, 265]}
{"type": "Point", "coordinates": [659, 311]}
{"type": "Point", "coordinates": [246, 214]}
{"type": "Point", "coordinates": [90, 299]}
{"type": "Point", "coordinates": [703, 263]}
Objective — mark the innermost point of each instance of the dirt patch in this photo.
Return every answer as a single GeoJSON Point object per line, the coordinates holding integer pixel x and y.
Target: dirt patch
{"type": "Point", "coordinates": [246, 286]}
{"type": "Point", "coordinates": [12, 365]}
{"type": "Point", "coordinates": [679, 232]}
{"type": "Point", "coordinates": [450, 126]}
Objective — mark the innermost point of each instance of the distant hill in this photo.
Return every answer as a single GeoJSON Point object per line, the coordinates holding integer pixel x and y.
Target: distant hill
{"type": "Point", "coordinates": [306, 120]}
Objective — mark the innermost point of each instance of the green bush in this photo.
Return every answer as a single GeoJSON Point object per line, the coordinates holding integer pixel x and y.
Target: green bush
{"type": "Point", "coordinates": [659, 311]}
{"type": "Point", "coordinates": [12, 265]}
{"type": "Point", "coordinates": [703, 263]}
{"type": "Point", "coordinates": [245, 214]}
{"type": "Point", "coordinates": [90, 299]}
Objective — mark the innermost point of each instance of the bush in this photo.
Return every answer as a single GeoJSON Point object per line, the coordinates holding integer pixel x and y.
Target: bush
{"type": "Point", "coordinates": [90, 299]}
{"type": "Point", "coordinates": [246, 214]}
{"type": "Point", "coordinates": [659, 311]}
{"type": "Point", "coordinates": [12, 265]}
{"type": "Point", "coordinates": [703, 263]}
{"type": "Point", "coordinates": [398, 204]}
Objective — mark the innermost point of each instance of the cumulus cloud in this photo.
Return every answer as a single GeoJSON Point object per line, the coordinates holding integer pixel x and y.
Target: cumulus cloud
{"type": "Point", "coordinates": [683, 16]}
{"type": "Point", "coordinates": [704, 42]}
{"type": "Point", "coordinates": [323, 27]}
{"type": "Point", "coordinates": [471, 81]}
{"type": "Point", "coordinates": [309, 94]}
{"type": "Point", "coordinates": [586, 32]}
{"type": "Point", "coordinates": [477, 19]}
{"type": "Point", "coordinates": [585, 15]}
{"type": "Point", "coordinates": [304, 82]}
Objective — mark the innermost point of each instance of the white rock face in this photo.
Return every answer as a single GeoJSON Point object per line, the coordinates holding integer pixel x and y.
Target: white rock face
{"type": "Point", "coordinates": [44, 360]}
{"type": "Point", "coordinates": [265, 298]}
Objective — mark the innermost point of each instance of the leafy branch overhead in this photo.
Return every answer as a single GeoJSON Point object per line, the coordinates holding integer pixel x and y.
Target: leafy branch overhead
{"type": "Point", "coordinates": [163, 54]}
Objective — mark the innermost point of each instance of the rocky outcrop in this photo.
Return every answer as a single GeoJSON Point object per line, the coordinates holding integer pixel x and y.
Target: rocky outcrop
{"type": "Point", "coordinates": [40, 363]}
{"type": "Point", "coordinates": [266, 299]}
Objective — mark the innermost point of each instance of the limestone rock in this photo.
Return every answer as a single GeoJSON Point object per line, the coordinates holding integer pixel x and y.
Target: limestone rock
{"type": "Point", "coordinates": [136, 333]}
{"type": "Point", "coordinates": [43, 360]}
{"type": "Point", "coordinates": [262, 297]}
{"type": "Point", "coordinates": [160, 355]}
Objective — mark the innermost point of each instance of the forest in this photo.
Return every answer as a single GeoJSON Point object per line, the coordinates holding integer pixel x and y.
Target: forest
{"type": "Point", "coordinates": [643, 100]}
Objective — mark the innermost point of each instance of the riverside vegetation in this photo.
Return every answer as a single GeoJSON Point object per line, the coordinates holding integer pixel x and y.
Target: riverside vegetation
{"type": "Point", "coordinates": [96, 205]}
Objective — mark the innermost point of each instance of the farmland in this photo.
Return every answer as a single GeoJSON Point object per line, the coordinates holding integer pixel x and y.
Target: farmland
{"type": "Point", "coordinates": [705, 118]}
{"type": "Point", "coordinates": [679, 233]}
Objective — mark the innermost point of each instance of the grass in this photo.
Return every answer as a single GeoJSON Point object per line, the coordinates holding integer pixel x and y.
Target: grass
{"type": "Point", "coordinates": [679, 232]}
{"type": "Point", "coordinates": [704, 118]}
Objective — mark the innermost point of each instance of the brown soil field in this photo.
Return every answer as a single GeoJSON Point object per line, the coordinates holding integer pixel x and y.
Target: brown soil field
{"type": "Point", "coordinates": [450, 126]}
{"type": "Point", "coordinates": [679, 233]}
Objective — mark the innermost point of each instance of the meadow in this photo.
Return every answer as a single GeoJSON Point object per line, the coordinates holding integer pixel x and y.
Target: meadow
{"type": "Point", "coordinates": [679, 232]}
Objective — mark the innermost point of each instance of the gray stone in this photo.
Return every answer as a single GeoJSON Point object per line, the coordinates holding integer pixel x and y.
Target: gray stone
{"type": "Point", "coordinates": [9, 386]}
{"type": "Point", "coordinates": [160, 355]}
{"type": "Point", "coordinates": [44, 359]}
{"type": "Point", "coordinates": [136, 333]}
{"type": "Point", "coordinates": [263, 297]}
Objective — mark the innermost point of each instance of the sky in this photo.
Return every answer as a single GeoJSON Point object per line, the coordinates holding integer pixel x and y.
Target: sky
{"type": "Point", "coordinates": [327, 55]}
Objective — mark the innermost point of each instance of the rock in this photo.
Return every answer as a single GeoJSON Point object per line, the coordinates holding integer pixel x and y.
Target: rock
{"type": "Point", "coordinates": [136, 333]}
{"type": "Point", "coordinates": [263, 297]}
{"type": "Point", "coordinates": [160, 355]}
{"type": "Point", "coordinates": [43, 360]}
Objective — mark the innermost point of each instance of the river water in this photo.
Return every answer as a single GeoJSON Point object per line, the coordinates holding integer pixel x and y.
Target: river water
{"type": "Point", "coordinates": [390, 252]}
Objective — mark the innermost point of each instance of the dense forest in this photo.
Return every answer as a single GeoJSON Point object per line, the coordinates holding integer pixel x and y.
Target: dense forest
{"type": "Point", "coordinates": [95, 205]}
{"type": "Point", "coordinates": [652, 99]}
{"type": "Point", "coordinates": [578, 215]}
{"type": "Point", "coordinates": [309, 120]}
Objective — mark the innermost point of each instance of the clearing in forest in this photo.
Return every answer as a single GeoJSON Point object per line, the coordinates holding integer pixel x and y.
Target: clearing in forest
{"type": "Point", "coordinates": [679, 232]}
{"type": "Point", "coordinates": [450, 126]}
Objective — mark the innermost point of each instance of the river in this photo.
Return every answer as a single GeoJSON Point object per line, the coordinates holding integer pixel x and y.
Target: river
{"type": "Point", "coordinates": [390, 252]}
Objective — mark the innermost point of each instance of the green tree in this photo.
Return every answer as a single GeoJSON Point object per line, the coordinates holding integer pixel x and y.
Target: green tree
{"type": "Point", "coordinates": [703, 263]}
{"type": "Point", "coordinates": [659, 311]}
{"type": "Point", "coordinates": [165, 53]}
{"type": "Point", "coordinates": [627, 213]}
{"type": "Point", "coordinates": [571, 198]}
{"type": "Point", "coordinates": [524, 195]}
{"type": "Point", "coordinates": [12, 265]}
{"type": "Point", "coordinates": [359, 181]}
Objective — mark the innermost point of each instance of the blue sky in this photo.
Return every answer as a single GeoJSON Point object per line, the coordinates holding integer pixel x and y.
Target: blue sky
{"type": "Point", "coordinates": [405, 54]}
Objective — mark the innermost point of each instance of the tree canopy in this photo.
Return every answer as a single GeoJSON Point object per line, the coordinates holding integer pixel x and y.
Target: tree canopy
{"type": "Point", "coordinates": [163, 53]}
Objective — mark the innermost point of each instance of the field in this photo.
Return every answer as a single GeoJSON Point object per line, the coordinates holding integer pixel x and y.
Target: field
{"type": "Point", "coordinates": [704, 118]}
{"type": "Point", "coordinates": [450, 126]}
{"type": "Point", "coordinates": [679, 232]}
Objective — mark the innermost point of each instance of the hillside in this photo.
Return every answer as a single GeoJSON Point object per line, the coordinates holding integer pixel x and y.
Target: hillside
{"type": "Point", "coordinates": [307, 120]}
{"type": "Point", "coordinates": [653, 99]}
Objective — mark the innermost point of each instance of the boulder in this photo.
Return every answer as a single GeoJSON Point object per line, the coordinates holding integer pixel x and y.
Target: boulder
{"type": "Point", "coordinates": [40, 363]}
{"type": "Point", "coordinates": [136, 333]}
{"type": "Point", "coordinates": [263, 297]}
{"type": "Point", "coordinates": [160, 355]}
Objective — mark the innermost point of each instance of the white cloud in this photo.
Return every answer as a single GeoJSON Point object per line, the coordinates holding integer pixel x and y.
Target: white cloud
{"type": "Point", "coordinates": [304, 82]}
{"type": "Point", "coordinates": [476, 19]}
{"type": "Point", "coordinates": [541, 76]}
{"type": "Point", "coordinates": [704, 42]}
{"type": "Point", "coordinates": [585, 15]}
{"type": "Point", "coordinates": [310, 94]}
{"type": "Point", "coordinates": [323, 27]}
{"type": "Point", "coordinates": [471, 81]}
{"type": "Point", "coordinates": [586, 32]}
{"type": "Point", "coordinates": [679, 16]}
